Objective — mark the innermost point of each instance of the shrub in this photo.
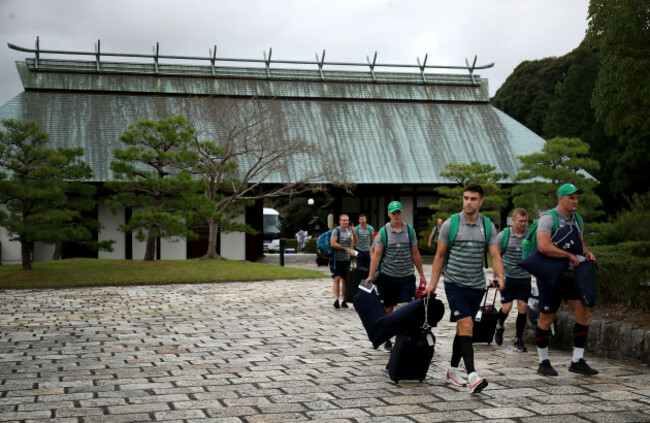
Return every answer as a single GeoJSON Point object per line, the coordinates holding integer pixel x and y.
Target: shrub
{"type": "Point", "coordinates": [310, 245]}
{"type": "Point", "coordinates": [624, 274]}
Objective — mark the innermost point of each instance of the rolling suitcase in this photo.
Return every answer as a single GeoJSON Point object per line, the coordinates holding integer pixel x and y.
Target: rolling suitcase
{"type": "Point", "coordinates": [413, 350]}
{"type": "Point", "coordinates": [355, 276]}
{"type": "Point", "coordinates": [411, 355]}
{"type": "Point", "coordinates": [485, 321]}
{"type": "Point", "coordinates": [370, 310]}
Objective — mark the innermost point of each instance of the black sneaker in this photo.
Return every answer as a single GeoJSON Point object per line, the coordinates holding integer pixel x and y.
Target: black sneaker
{"type": "Point", "coordinates": [519, 346]}
{"type": "Point", "coordinates": [546, 369]}
{"type": "Point", "coordinates": [336, 304]}
{"type": "Point", "coordinates": [344, 305]}
{"type": "Point", "coordinates": [498, 336]}
{"type": "Point", "coordinates": [581, 367]}
{"type": "Point", "coordinates": [388, 346]}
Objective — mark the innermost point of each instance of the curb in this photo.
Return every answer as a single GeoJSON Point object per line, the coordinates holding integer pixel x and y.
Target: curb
{"type": "Point", "coordinates": [606, 338]}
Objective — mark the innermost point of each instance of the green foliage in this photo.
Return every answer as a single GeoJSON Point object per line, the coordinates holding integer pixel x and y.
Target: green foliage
{"type": "Point", "coordinates": [152, 182]}
{"type": "Point", "coordinates": [451, 197]}
{"type": "Point", "coordinates": [528, 91]}
{"type": "Point", "coordinates": [628, 225]}
{"type": "Point", "coordinates": [620, 32]}
{"type": "Point", "coordinates": [41, 188]}
{"type": "Point", "coordinates": [624, 274]}
{"type": "Point", "coordinates": [562, 160]}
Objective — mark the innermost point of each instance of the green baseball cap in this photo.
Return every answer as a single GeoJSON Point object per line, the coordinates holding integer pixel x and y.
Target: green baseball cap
{"type": "Point", "coordinates": [394, 206]}
{"type": "Point", "coordinates": [568, 189]}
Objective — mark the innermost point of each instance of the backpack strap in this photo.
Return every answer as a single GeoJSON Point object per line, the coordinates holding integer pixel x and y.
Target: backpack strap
{"type": "Point", "coordinates": [556, 221]}
{"type": "Point", "coordinates": [506, 238]}
{"type": "Point", "coordinates": [579, 219]}
{"type": "Point", "coordinates": [453, 229]}
{"type": "Point", "coordinates": [487, 225]}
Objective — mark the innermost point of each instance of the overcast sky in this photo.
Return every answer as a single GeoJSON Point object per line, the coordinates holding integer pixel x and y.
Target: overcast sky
{"type": "Point", "coordinates": [503, 32]}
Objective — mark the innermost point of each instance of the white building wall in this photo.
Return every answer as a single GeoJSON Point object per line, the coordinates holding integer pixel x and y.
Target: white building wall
{"type": "Point", "coordinates": [173, 249]}
{"type": "Point", "coordinates": [9, 250]}
{"type": "Point", "coordinates": [43, 252]}
{"type": "Point", "coordinates": [233, 244]}
{"type": "Point", "coordinates": [408, 210]}
{"type": "Point", "coordinates": [108, 231]}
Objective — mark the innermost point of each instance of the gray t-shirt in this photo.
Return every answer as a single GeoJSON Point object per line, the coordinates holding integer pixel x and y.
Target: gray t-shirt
{"type": "Point", "coordinates": [464, 266]}
{"type": "Point", "coordinates": [436, 233]}
{"type": "Point", "coordinates": [512, 254]}
{"type": "Point", "coordinates": [545, 223]}
{"type": "Point", "coordinates": [365, 238]}
{"type": "Point", "coordinates": [345, 239]}
{"type": "Point", "coordinates": [398, 261]}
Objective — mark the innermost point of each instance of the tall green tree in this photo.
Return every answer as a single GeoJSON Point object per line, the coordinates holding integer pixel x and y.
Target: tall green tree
{"type": "Point", "coordinates": [462, 174]}
{"type": "Point", "coordinates": [528, 91]}
{"type": "Point", "coordinates": [620, 31]}
{"type": "Point", "coordinates": [570, 115]}
{"type": "Point", "coordinates": [561, 160]}
{"type": "Point", "coordinates": [35, 183]}
{"type": "Point", "coordinates": [152, 180]}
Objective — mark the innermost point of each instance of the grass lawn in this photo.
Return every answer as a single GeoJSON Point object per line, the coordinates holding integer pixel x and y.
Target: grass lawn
{"type": "Point", "coordinates": [92, 272]}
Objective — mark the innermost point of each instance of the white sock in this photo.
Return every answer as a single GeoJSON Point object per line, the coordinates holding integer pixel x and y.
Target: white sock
{"type": "Point", "coordinates": [578, 353]}
{"type": "Point", "coordinates": [452, 369]}
{"type": "Point", "coordinates": [543, 353]}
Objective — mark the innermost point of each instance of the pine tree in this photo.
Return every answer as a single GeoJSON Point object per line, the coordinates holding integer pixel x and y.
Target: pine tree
{"type": "Point", "coordinates": [35, 187]}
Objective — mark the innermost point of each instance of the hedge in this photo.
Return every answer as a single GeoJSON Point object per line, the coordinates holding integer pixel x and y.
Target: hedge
{"type": "Point", "coordinates": [624, 274]}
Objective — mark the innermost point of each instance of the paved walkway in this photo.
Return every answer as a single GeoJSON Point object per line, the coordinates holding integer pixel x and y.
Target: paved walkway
{"type": "Point", "coordinates": [271, 351]}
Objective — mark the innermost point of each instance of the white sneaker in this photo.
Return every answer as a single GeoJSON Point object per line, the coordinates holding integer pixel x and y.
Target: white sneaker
{"type": "Point", "coordinates": [475, 383]}
{"type": "Point", "coordinates": [454, 377]}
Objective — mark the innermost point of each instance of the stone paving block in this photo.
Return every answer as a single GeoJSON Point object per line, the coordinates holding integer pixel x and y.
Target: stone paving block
{"type": "Point", "coordinates": [137, 408]}
{"type": "Point", "coordinates": [621, 405]}
{"type": "Point", "coordinates": [564, 408]}
{"type": "Point", "coordinates": [566, 418]}
{"type": "Point", "coordinates": [503, 413]}
{"type": "Point", "coordinates": [617, 417]}
{"type": "Point", "coordinates": [446, 416]}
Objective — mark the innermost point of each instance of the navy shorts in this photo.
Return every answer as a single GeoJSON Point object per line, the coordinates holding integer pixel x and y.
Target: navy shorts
{"type": "Point", "coordinates": [394, 290]}
{"type": "Point", "coordinates": [363, 259]}
{"type": "Point", "coordinates": [340, 269]}
{"type": "Point", "coordinates": [550, 299]}
{"type": "Point", "coordinates": [463, 302]}
{"type": "Point", "coordinates": [516, 289]}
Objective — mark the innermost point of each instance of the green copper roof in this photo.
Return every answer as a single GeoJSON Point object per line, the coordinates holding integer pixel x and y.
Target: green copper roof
{"type": "Point", "coordinates": [397, 129]}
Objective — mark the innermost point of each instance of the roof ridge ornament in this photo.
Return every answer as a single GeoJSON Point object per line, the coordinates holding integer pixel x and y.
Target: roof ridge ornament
{"type": "Point", "coordinates": [266, 61]}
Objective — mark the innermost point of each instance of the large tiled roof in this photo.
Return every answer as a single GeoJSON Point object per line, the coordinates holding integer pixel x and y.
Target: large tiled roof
{"type": "Point", "coordinates": [394, 128]}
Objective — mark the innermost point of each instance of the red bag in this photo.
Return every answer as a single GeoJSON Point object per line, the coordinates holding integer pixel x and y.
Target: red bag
{"type": "Point", "coordinates": [420, 291]}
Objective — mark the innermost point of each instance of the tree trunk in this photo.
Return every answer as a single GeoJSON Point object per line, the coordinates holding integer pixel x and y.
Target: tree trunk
{"type": "Point", "coordinates": [58, 250]}
{"type": "Point", "coordinates": [212, 240]}
{"type": "Point", "coordinates": [24, 249]}
{"type": "Point", "coordinates": [150, 252]}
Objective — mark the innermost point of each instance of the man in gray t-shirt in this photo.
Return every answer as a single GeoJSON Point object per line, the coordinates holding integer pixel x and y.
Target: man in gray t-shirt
{"type": "Point", "coordinates": [465, 280]}
{"type": "Point", "coordinates": [550, 297]}
{"type": "Point", "coordinates": [342, 240]}
{"type": "Point", "coordinates": [398, 256]}
{"type": "Point", "coordinates": [518, 281]}
{"type": "Point", "coordinates": [364, 235]}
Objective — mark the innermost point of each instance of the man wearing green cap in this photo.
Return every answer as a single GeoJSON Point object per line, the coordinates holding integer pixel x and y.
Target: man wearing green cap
{"type": "Point", "coordinates": [396, 249]}
{"type": "Point", "coordinates": [549, 301]}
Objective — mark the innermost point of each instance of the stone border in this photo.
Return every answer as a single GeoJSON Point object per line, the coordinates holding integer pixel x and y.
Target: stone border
{"type": "Point", "coordinates": [606, 338]}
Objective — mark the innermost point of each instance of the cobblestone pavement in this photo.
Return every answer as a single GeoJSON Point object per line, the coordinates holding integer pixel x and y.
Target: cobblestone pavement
{"type": "Point", "coordinates": [269, 351]}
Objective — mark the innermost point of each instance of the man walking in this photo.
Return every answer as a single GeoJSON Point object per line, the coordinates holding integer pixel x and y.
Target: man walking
{"type": "Point", "coordinates": [363, 246]}
{"type": "Point", "coordinates": [549, 299]}
{"type": "Point", "coordinates": [462, 263]}
{"type": "Point", "coordinates": [396, 249]}
{"type": "Point", "coordinates": [342, 240]}
{"type": "Point", "coordinates": [518, 280]}
{"type": "Point", "coordinates": [435, 234]}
